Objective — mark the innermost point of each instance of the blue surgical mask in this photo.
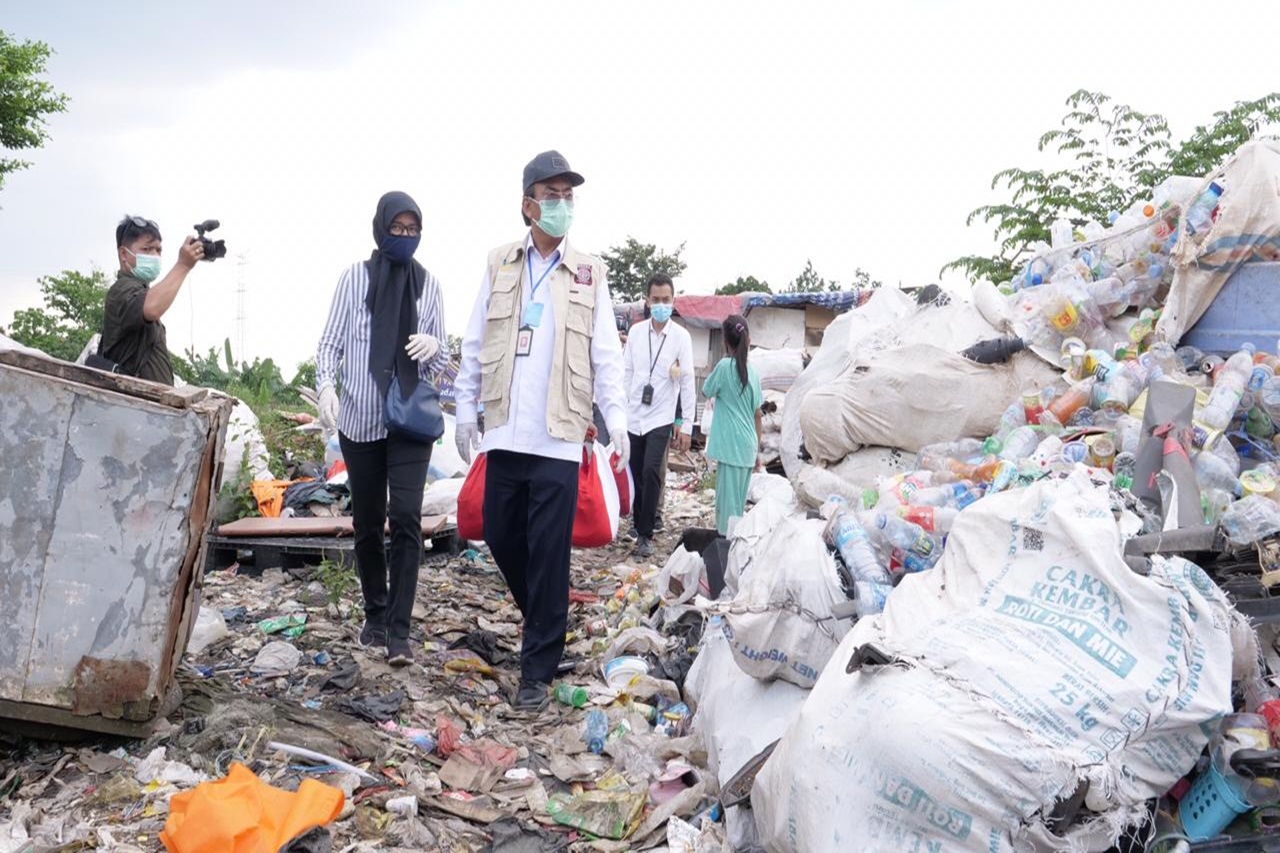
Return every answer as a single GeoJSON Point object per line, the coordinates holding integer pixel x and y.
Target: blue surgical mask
{"type": "Point", "coordinates": [399, 250]}
{"type": "Point", "coordinates": [660, 312]}
{"type": "Point", "coordinates": [556, 216]}
{"type": "Point", "coordinates": [145, 267]}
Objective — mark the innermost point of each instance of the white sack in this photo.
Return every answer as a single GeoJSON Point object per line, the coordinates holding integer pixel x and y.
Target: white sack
{"type": "Point", "coordinates": [736, 716]}
{"type": "Point", "coordinates": [762, 483]}
{"type": "Point", "coordinates": [245, 444]}
{"type": "Point", "coordinates": [848, 477]}
{"type": "Point", "coordinates": [683, 576]}
{"type": "Point", "coordinates": [1033, 659]}
{"type": "Point", "coordinates": [779, 625]}
{"type": "Point", "coordinates": [839, 344]}
{"type": "Point", "coordinates": [1247, 228]}
{"type": "Point", "coordinates": [777, 368]}
{"type": "Point", "coordinates": [912, 397]}
{"type": "Point", "coordinates": [441, 497]}
{"type": "Point", "coordinates": [749, 535]}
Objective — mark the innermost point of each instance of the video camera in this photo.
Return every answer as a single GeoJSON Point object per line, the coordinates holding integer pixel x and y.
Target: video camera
{"type": "Point", "coordinates": [213, 249]}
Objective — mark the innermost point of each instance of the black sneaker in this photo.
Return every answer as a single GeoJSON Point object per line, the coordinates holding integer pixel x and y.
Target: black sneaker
{"type": "Point", "coordinates": [642, 547]}
{"type": "Point", "coordinates": [399, 652]}
{"type": "Point", "coordinates": [658, 526]}
{"type": "Point", "coordinates": [532, 696]}
{"type": "Point", "coordinates": [372, 635]}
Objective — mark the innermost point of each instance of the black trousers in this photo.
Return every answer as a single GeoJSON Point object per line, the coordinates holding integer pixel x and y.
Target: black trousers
{"type": "Point", "coordinates": [375, 468]}
{"type": "Point", "coordinates": [647, 452]}
{"type": "Point", "coordinates": [529, 504]}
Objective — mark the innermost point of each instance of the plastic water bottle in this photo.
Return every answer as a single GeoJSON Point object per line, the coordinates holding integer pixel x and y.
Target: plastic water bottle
{"type": "Point", "coordinates": [332, 451]}
{"type": "Point", "coordinates": [903, 534]}
{"type": "Point", "coordinates": [595, 730]}
{"type": "Point", "coordinates": [869, 597]}
{"type": "Point", "coordinates": [1200, 213]}
{"type": "Point", "coordinates": [1036, 273]}
{"type": "Point", "coordinates": [1128, 434]}
{"type": "Point", "coordinates": [910, 562]}
{"type": "Point", "coordinates": [1214, 473]}
{"type": "Point", "coordinates": [946, 495]}
{"type": "Point", "coordinates": [1228, 390]}
{"type": "Point", "coordinates": [1020, 444]}
{"type": "Point", "coordinates": [850, 538]}
{"type": "Point", "coordinates": [931, 519]}
{"type": "Point", "coordinates": [938, 457]}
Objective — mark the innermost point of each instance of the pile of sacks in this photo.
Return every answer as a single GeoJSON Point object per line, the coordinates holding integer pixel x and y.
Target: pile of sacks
{"type": "Point", "coordinates": [955, 647]}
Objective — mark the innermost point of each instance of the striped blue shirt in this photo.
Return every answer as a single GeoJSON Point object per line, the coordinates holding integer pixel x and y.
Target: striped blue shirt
{"type": "Point", "coordinates": [342, 356]}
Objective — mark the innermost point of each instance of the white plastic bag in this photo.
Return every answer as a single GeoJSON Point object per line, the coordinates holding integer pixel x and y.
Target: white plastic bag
{"type": "Point", "coordinates": [682, 577]}
{"type": "Point", "coordinates": [441, 497]}
{"type": "Point", "coordinates": [1032, 659]}
{"type": "Point", "coordinates": [210, 627]}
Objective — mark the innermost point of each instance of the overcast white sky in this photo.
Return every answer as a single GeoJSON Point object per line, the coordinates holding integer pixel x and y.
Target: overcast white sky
{"type": "Point", "coordinates": [761, 133]}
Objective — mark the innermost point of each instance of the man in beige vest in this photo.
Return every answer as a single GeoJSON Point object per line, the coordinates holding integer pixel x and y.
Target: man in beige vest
{"type": "Point", "coordinates": [540, 345]}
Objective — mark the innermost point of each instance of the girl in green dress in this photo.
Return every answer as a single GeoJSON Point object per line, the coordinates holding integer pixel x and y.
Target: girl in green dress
{"type": "Point", "coordinates": [735, 425]}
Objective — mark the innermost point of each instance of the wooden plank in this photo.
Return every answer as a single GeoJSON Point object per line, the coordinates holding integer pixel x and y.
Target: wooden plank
{"type": "Point", "coordinates": [327, 526]}
{"type": "Point", "coordinates": [177, 398]}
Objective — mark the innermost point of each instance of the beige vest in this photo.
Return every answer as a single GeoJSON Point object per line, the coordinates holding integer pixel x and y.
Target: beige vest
{"type": "Point", "coordinates": [573, 291]}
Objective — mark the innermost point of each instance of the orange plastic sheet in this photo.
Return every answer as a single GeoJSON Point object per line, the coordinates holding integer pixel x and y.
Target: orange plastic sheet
{"type": "Point", "coordinates": [270, 495]}
{"type": "Point", "coordinates": [242, 814]}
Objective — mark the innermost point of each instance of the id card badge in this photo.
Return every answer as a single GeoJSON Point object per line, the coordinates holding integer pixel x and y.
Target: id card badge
{"type": "Point", "coordinates": [532, 315]}
{"type": "Point", "coordinates": [524, 341]}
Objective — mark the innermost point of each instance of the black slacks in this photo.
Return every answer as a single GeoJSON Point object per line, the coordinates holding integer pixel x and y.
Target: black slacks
{"type": "Point", "coordinates": [529, 504]}
{"type": "Point", "coordinates": [375, 468]}
{"type": "Point", "coordinates": [647, 452]}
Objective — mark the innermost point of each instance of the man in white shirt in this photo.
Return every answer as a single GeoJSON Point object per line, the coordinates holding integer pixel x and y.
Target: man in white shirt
{"type": "Point", "coordinates": [541, 343]}
{"type": "Point", "coordinates": [659, 360]}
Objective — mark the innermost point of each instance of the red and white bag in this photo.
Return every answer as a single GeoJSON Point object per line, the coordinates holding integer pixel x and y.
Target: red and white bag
{"type": "Point", "coordinates": [595, 521]}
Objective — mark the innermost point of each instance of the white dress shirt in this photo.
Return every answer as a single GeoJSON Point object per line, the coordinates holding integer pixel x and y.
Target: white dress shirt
{"type": "Point", "coordinates": [649, 355]}
{"type": "Point", "coordinates": [526, 428]}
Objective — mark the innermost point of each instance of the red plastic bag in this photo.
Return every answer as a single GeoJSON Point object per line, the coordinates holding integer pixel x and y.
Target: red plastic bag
{"type": "Point", "coordinates": [596, 521]}
{"type": "Point", "coordinates": [626, 487]}
{"type": "Point", "coordinates": [471, 502]}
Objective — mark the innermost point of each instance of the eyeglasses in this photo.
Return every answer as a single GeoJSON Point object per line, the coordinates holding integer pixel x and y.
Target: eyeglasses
{"type": "Point", "coordinates": [398, 230]}
{"type": "Point", "coordinates": [553, 195]}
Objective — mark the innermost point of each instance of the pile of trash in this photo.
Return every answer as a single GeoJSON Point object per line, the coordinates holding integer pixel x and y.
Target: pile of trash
{"type": "Point", "coordinates": [279, 697]}
{"type": "Point", "coordinates": [974, 629]}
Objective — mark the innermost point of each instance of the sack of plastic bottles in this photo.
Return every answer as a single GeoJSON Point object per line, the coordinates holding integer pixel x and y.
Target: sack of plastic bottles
{"type": "Point", "coordinates": [1250, 519]}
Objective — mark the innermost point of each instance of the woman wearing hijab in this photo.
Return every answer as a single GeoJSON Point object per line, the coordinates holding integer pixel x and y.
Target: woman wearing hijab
{"type": "Point", "coordinates": [385, 325]}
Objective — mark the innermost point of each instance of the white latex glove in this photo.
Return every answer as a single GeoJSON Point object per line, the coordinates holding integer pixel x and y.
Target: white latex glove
{"type": "Point", "coordinates": [622, 446]}
{"type": "Point", "coordinates": [328, 406]}
{"type": "Point", "coordinates": [467, 437]}
{"type": "Point", "coordinates": [422, 347]}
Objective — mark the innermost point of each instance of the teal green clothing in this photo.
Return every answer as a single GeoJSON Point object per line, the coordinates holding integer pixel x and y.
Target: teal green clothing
{"type": "Point", "coordinates": [731, 493]}
{"type": "Point", "coordinates": [733, 438]}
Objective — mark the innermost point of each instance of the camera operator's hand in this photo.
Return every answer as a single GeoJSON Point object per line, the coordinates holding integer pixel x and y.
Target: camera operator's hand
{"type": "Point", "coordinates": [192, 250]}
{"type": "Point", "coordinates": [328, 406]}
{"type": "Point", "coordinates": [422, 347]}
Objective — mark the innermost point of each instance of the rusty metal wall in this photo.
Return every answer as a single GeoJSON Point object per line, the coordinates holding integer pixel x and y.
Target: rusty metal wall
{"type": "Point", "coordinates": [104, 500]}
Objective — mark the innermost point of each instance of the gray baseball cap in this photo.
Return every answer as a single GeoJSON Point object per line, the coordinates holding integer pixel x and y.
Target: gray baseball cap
{"type": "Point", "coordinates": [548, 165]}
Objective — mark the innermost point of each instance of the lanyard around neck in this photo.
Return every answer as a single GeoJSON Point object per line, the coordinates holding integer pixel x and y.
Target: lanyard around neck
{"type": "Point", "coordinates": [654, 358]}
{"type": "Point", "coordinates": [533, 289]}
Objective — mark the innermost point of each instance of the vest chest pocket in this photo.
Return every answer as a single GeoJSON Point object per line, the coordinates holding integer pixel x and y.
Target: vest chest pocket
{"type": "Point", "coordinates": [497, 327]}
{"type": "Point", "coordinates": [579, 324]}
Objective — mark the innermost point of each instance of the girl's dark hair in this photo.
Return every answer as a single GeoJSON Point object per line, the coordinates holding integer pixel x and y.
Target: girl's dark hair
{"type": "Point", "coordinates": [737, 336]}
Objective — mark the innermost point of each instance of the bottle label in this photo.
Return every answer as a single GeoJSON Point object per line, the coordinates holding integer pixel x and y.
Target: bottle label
{"type": "Point", "coordinates": [1066, 319]}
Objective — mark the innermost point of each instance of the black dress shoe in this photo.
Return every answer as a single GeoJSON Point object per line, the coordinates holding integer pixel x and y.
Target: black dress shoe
{"type": "Point", "coordinates": [532, 696]}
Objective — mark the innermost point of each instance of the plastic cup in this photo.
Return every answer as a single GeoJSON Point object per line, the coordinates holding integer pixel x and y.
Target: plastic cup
{"type": "Point", "coordinates": [1257, 482]}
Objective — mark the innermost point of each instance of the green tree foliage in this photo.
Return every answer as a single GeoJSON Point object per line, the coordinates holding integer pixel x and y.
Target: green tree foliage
{"type": "Point", "coordinates": [70, 316]}
{"type": "Point", "coordinates": [748, 284]}
{"type": "Point", "coordinates": [631, 264]}
{"type": "Point", "coordinates": [808, 281]}
{"type": "Point", "coordinates": [25, 100]}
{"type": "Point", "coordinates": [1108, 156]}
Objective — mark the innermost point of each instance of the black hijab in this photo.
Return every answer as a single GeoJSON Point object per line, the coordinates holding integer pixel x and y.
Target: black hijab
{"type": "Point", "coordinates": [394, 290]}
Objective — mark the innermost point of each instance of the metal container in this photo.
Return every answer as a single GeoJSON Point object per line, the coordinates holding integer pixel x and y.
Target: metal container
{"type": "Point", "coordinates": [107, 487]}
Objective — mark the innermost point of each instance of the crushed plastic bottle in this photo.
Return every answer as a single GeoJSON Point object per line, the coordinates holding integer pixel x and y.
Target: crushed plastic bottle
{"type": "Point", "coordinates": [931, 519]}
{"type": "Point", "coordinates": [1250, 519]}
{"type": "Point", "coordinates": [1200, 213]}
{"type": "Point", "coordinates": [903, 534]}
{"type": "Point", "coordinates": [595, 730]}
{"type": "Point", "coordinates": [1021, 443]}
{"type": "Point", "coordinates": [1228, 389]}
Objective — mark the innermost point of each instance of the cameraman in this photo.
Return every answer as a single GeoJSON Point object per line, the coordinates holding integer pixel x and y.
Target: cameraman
{"type": "Point", "coordinates": [132, 335]}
